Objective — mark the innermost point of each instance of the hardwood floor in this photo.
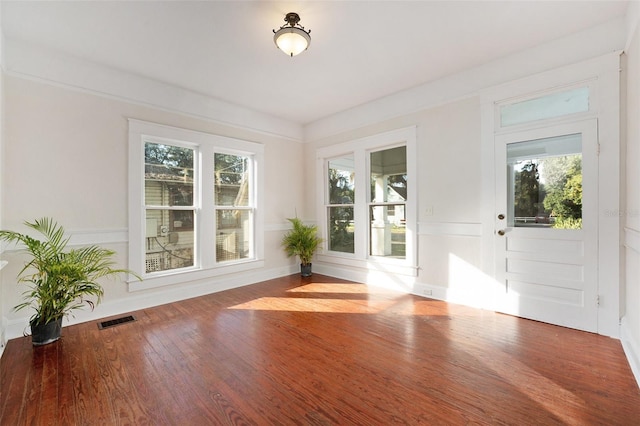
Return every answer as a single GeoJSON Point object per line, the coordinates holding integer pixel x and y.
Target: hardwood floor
{"type": "Point", "coordinates": [318, 351]}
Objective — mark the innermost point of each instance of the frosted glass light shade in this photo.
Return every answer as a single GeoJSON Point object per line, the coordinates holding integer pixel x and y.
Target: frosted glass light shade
{"type": "Point", "coordinates": [291, 40]}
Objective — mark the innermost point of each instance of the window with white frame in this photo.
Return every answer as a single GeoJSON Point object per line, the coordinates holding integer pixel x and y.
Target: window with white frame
{"type": "Point", "coordinates": [194, 204]}
{"type": "Point", "coordinates": [234, 206]}
{"type": "Point", "coordinates": [557, 104]}
{"type": "Point", "coordinates": [170, 205]}
{"type": "Point", "coordinates": [368, 200]}
{"type": "Point", "coordinates": [387, 202]}
{"type": "Point", "coordinates": [341, 203]}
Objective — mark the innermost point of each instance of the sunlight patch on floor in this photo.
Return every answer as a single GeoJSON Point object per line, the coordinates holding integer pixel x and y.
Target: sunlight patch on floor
{"type": "Point", "coordinates": [536, 386]}
{"type": "Point", "coordinates": [341, 288]}
{"type": "Point", "coordinates": [529, 382]}
{"type": "Point", "coordinates": [349, 306]}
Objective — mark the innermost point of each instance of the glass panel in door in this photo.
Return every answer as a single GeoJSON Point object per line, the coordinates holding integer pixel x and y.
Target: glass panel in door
{"type": "Point", "coordinates": [544, 180]}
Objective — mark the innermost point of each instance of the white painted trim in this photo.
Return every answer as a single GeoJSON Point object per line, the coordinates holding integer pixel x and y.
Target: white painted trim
{"type": "Point", "coordinates": [277, 227]}
{"type": "Point", "coordinates": [574, 48]}
{"type": "Point", "coordinates": [81, 238]}
{"type": "Point", "coordinates": [185, 276]}
{"type": "Point", "coordinates": [360, 149]}
{"type": "Point", "coordinates": [98, 236]}
{"type": "Point", "coordinates": [368, 265]}
{"type": "Point", "coordinates": [631, 349]}
{"type": "Point", "coordinates": [606, 97]}
{"type": "Point", "coordinates": [632, 239]}
{"type": "Point", "coordinates": [53, 67]}
{"type": "Point", "coordinates": [386, 279]}
{"type": "Point", "coordinates": [3, 263]}
{"type": "Point", "coordinates": [371, 277]}
{"type": "Point", "coordinates": [85, 237]}
{"type": "Point", "coordinates": [3, 334]}
{"type": "Point", "coordinates": [450, 228]}
{"type": "Point", "coordinates": [632, 22]}
{"type": "Point", "coordinates": [555, 79]}
{"type": "Point", "coordinates": [206, 144]}
{"type": "Point", "coordinates": [475, 298]}
{"type": "Point", "coordinates": [138, 302]}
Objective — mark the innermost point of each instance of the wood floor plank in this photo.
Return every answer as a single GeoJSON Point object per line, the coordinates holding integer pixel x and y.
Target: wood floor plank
{"type": "Point", "coordinates": [66, 389]}
{"type": "Point", "coordinates": [318, 351]}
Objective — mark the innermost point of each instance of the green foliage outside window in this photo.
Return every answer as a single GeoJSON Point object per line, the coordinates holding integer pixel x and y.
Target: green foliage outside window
{"type": "Point", "coordinates": [551, 186]}
{"type": "Point", "coordinates": [341, 191]}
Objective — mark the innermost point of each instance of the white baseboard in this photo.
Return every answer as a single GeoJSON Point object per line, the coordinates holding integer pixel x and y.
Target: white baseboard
{"type": "Point", "coordinates": [16, 328]}
{"type": "Point", "coordinates": [3, 334]}
{"type": "Point", "coordinates": [477, 297]}
{"type": "Point", "coordinates": [631, 349]}
{"type": "Point", "coordinates": [374, 278]}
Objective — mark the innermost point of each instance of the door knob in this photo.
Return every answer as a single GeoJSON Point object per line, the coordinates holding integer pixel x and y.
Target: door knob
{"type": "Point", "coordinates": [501, 216]}
{"type": "Point", "coordinates": [501, 232]}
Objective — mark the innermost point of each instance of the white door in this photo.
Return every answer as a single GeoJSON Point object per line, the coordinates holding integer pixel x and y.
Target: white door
{"type": "Point", "coordinates": [545, 241]}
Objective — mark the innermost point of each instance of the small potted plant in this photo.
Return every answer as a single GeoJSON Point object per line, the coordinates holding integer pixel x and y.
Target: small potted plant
{"type": "Point", "coordinates": [302, 241]}
{"type": "Point", "coordinates": [59, 280]}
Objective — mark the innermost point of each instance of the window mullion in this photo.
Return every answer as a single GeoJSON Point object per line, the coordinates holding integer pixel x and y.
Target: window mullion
{"type": "Point", "coordinates": [360, 215]}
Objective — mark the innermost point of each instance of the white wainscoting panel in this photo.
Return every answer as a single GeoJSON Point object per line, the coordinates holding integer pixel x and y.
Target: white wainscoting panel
{"type": "Point", "coordinates": [450, 228]}
{"type": "Point", "coordinates": [632, 239]}
{"type": "Point", "coordinates": [631, 349]}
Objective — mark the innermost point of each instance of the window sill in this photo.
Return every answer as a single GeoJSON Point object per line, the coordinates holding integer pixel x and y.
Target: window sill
{"type": "Point", "coordinates": [184, 276]}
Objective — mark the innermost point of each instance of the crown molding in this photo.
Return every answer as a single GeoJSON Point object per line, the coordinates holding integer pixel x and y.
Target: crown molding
{"type": "Point", "coordinates": [584, 45]}
{"type": "Point", "coordinates": [57, 68]}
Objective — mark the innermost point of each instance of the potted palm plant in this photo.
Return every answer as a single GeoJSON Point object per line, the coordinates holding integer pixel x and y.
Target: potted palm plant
{"type": "Point", "coordinates": [59, 280]}
{"type": "Point", "coordinates": [302, 241]}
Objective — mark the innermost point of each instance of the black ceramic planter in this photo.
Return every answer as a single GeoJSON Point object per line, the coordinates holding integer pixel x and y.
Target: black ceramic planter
{"type": "Point", "coordinates": [305, 270]}
{"type": "Point", "coordinates": [43, 334]}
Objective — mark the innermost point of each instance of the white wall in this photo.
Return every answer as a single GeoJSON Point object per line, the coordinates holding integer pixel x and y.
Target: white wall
{"type": "Point", "coordinates": [630, 330]}
{"type": "Point", "coordinates": [3, 318]}
{"type": "Point", "coordinates": [66, 157]}
{"type": "Point", "coordinates": [449, 194]}
{"type": "Point", "coordinates": [448, 116]}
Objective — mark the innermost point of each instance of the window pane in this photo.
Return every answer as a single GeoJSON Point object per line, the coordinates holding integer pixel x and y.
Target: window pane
{"type": "Point", "coordinates": [233, 234]}
{"type": "Point", "coordinates": [389, 175]}
{"type": "Point", "coordinates": [180, 220]}
{"type": "Point", "coordinates": [341, 229]}
{"type": "Point", "coordinates": [545, 107]}
{"type": "Point", "coordinates": [545, 183]}
{"type": "Point", "coordinates": [341, 180]}
{"type": "Point", "coordinates": [387, 230]}
{"type": "Point", "coordinates": [231, 180]}
{"type": "Point", "coordinates": [168, 247]}
{"type": "Point", "coordinates": [168, 175]}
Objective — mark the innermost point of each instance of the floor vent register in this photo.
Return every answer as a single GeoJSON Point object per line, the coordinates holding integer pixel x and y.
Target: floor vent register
{"type": "Point", "coordinates": [117, 321]}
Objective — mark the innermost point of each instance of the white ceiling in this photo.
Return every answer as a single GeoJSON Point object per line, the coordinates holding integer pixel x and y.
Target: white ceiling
{"type": "Point", "coordinates": [360, 50]}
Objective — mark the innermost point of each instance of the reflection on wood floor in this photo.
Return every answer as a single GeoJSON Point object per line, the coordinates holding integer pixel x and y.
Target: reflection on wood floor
{"type": "Point", "coordinates": [318, 351]}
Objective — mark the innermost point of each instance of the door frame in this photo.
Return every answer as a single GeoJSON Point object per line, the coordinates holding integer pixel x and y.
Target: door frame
{"type": "Point", "coordinates": [602, 76]}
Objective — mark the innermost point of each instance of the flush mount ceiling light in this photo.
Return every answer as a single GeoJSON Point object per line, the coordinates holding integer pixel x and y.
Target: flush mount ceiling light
{"type": "Point", "coordinates": [292, 38]}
